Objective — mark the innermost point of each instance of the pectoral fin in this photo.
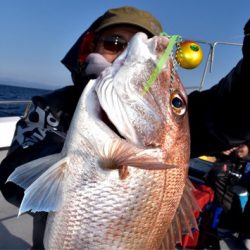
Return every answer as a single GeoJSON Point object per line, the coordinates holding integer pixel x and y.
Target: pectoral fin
{"type": "Point", "coordinates": [43, 180]}
{"type": "Point", "coordinates": [120, 153]}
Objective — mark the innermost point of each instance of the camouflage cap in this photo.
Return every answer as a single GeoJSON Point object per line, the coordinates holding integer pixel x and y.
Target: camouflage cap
{"type": "Point", "coordinates": [129, 15]}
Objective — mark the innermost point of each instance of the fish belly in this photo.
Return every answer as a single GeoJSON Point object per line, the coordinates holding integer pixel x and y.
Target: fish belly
{"type": "Point", "coordinates": [134, 213]}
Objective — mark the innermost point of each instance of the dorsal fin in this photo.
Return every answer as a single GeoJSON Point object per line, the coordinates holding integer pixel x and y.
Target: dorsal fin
{"type": "Point", "coordinates": [184, 220]}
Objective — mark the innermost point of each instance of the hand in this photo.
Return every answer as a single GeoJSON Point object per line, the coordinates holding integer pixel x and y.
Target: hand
{"type": "Point", "coordinates": [229, 151]}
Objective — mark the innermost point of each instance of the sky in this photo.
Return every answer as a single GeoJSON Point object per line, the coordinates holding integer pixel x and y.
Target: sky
{"type": "Point", "coordinates": [35, 35]}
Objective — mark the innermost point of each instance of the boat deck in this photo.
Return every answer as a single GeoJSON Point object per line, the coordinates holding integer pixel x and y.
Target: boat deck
{"type": "Point", "coordinates": [15, 232]}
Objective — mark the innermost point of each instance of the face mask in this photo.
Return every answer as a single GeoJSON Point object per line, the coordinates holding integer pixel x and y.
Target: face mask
{"type": "Point", "coordinates": [95, 64]}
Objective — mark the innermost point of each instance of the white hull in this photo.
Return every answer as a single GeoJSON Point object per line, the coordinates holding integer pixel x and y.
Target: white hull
{"type": "Point", "coordinates": [15, 232]}
{"type": "Point", "coordinates": [7, 129]}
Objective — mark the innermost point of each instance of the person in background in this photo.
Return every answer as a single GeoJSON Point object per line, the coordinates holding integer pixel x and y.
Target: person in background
{"type": "Point", "coordinates": [43, 131]}
{"type": "Point", "coordinates": [231, 184]}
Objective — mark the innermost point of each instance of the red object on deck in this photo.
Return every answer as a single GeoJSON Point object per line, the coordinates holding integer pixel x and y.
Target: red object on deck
{"type": "Point", "coordinates": [190, 241]}
{"type": "Point", "coordinates": [204, 195]}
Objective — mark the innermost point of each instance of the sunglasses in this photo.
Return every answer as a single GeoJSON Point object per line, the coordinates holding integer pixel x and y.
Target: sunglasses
{"type": "Point", "coordinates": [113, 44]}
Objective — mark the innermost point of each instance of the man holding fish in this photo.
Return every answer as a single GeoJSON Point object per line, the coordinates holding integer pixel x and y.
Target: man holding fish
{"type": "Point", "coordinates": [109, 164]}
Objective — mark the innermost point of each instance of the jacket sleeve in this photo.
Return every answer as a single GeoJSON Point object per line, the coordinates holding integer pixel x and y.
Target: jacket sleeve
{"type": "Point", "coordinates": [36, 136]}
{"type": "Point", "coordinates": [220, 116]}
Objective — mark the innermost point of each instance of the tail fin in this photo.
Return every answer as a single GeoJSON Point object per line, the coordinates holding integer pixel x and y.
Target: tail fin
{"type": "Point", "coordinates": [42, 179]}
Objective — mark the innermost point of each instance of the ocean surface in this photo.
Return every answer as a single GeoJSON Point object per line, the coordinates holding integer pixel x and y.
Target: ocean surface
{"type": "Point", "coordinates": [15, 93]}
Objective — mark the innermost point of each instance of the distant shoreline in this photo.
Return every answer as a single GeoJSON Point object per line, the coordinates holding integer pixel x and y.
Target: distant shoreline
{"type": "Point", "coordinates": [27, 84]}
{"type": "Point", "coordinates": [23, 86]}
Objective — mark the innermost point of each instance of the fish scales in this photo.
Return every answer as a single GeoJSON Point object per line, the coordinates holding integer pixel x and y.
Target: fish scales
{"type": "Point", "coordinates": [97, 208]}
{"type": "Point", "coordinates": [129, 224]}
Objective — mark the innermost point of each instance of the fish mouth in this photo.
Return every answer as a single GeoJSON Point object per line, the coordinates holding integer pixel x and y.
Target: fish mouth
{"type": "Point", "coordinates": [102, 115]}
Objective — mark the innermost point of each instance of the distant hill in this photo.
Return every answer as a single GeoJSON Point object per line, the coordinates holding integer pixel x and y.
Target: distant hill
{"type": "Point", "coordinates": [28, 84]}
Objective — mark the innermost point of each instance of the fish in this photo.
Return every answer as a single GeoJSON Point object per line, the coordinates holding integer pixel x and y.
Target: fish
{"type": "Point", "coordinates": [120, 181]}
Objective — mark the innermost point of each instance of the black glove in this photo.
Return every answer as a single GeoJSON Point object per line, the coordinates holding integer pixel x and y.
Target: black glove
{"type": "Point", "coordinates": [247, 28]}
{"type": "Point", "coordinates": [246, 41]}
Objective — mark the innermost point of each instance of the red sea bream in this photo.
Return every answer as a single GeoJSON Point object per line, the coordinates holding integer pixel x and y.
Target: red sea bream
{"type": "Point", "coordinates": [120, 181]}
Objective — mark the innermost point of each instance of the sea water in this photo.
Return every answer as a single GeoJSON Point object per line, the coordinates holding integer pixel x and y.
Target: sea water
{"type": "Point", "coordinates": [16, 93]}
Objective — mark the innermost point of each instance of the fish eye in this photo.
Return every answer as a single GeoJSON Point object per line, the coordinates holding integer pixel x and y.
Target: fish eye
{"type": "Point", "coordinates": [178, 104]}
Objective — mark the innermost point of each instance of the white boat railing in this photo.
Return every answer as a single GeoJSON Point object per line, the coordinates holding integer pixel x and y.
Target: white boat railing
{"type": "Point", "coordinates": [8, 124]}
{"type": "Point", "coordinates": [211, 54]}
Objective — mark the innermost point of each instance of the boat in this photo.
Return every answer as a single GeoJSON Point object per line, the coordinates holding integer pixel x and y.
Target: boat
{"type": "Point", "coordinates": [8, 125]}
{"type": "Point", "coordinates": [16, 232]}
